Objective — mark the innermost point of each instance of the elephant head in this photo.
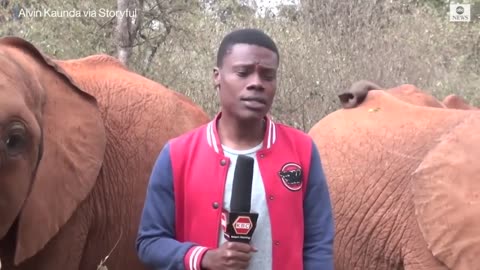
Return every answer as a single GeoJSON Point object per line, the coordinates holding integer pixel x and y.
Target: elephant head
{"type": "Point", "coordinates": [52, 143]}
{"type": "Point", "coordinates": [408, 196]}
{"type": "Point", "coordinates": [406, 92]}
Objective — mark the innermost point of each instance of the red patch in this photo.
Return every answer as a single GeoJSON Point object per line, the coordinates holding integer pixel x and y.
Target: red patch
{"type": "Point", "coordinates": [292, 176]}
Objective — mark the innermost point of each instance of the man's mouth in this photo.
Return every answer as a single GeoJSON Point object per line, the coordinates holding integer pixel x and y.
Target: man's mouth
{"type": "Point", "coordinates": [254, 103]}
{"type": "Point", "coordinates": [255, 100]}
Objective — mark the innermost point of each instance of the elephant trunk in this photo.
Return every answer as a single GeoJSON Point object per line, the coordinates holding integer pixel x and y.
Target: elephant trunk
{"type": "Point", "coordinates": [357, 93]}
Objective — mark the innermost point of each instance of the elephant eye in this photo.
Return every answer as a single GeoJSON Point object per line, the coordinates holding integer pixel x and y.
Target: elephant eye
{"type": "Point", "coordinates": [16, 140]}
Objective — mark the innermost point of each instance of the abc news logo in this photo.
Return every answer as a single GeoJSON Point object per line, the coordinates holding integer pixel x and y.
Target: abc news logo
{"type": "Point", "coordinates": [460, 13]}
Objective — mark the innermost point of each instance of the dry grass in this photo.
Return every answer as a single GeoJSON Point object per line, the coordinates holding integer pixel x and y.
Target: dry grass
{"type": "Point", "coordinates": [323, 50]}
{"type": "Point", "coordinates": [324, 55]}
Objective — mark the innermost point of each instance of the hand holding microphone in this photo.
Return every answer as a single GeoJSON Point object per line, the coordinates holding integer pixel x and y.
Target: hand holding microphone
{"type": "Point", "coordinates": [229, 256]}
{"type": "Point", "coordinates": [238, 224]}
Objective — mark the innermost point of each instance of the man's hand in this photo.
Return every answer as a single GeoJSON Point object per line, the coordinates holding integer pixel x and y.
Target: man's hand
{"type": "Point", "coordinates": [229, 256]}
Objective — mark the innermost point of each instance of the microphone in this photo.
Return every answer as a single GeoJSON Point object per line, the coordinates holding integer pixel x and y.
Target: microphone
{"type": "Point", "coordinates": [239, 224]}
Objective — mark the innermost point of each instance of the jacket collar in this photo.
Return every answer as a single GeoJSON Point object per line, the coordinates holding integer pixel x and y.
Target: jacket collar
{"type": "Point", "coordinates": [214, 140]}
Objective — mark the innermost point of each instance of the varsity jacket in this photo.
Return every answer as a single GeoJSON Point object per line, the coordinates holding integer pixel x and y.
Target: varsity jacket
{"type": "Point", "coordinates": [184, 200]}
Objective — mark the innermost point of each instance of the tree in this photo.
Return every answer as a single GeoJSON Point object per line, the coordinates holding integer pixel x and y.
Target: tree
{"type": "Point", "coordinates": [129, 20]}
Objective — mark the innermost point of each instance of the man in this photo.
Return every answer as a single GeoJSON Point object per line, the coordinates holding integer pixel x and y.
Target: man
{"type": "Point", "coordinates": [192, 179]}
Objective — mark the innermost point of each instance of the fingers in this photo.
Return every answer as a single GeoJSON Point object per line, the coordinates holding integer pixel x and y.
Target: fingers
{"type": "Point", "coordinates": [237, 260]}
{"type": "Point", "coordinates": [241, 247]}
{"type": "Point", "coordinates": [236, 255]}
{"type": "Point", "coordinates": [232, 255]}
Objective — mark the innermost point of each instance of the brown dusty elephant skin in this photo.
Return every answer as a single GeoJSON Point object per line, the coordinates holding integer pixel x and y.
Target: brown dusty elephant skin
{"type": "Point", "coordinates": [78, 139]}
{"type": "Point", "coordinates": [404, 184]}
{"type": "Point", "coordinates": [406, 92]}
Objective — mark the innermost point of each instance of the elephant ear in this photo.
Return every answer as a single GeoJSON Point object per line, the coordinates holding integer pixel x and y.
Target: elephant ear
{"type": "Point", "coordinates": [74, 142]}
{"type": "Point", "coordinates": [446, 195]}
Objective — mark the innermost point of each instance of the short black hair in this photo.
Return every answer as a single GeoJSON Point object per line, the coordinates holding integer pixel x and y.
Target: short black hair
{"type": "Point", "coordinates": [249, 36]}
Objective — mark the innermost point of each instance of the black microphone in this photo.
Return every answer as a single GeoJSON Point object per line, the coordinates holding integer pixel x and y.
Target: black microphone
{"type": "Point", "coordinates": [239, 224]}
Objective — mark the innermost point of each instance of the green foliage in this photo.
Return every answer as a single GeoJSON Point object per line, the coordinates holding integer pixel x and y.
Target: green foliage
{"type": "Point", "coordinates": [325, 46]}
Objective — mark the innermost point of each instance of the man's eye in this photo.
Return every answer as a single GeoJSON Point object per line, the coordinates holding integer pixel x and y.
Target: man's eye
{"type": "Point", "coordinates": [269, 77]}
{"type": "Point", "coordinates": [242, 73]}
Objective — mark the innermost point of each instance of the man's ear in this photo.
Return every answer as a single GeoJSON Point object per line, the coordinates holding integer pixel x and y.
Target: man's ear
{"type": "Point", "coordinates": [216, 77]}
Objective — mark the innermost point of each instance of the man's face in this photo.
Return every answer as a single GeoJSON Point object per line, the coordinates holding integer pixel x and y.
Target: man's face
{"type": "Point", "coordinates": [247, 81]}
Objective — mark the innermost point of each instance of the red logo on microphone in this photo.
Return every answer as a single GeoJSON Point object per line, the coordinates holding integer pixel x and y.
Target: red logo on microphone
{"type": "Point", "coordinates": [242, 225]}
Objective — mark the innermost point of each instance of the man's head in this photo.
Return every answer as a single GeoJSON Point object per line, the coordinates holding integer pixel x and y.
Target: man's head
{"type": "Point", "coordinates": [246, 73]}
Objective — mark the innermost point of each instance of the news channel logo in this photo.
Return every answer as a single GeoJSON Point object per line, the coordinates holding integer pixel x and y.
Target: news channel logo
{"type": "Point", "coordinates": [460, 12]}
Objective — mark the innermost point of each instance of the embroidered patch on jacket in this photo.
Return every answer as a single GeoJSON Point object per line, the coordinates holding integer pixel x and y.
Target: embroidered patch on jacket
{"type": "Point", "coordinates": [291, 176]}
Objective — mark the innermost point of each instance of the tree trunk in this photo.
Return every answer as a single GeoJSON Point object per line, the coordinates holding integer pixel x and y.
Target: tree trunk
{"type": "Point", "coordinates": [128, 23]}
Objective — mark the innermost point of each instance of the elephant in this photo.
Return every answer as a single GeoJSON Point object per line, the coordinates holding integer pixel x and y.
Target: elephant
{"type": "Point", "coordinates": [406, 92]}
{"type": "Point", "coordinates": [78, 140]}
{"type": "Point", "coordinates": [456, 102]}
{"type": "Point", "coordinates": [403, 179]}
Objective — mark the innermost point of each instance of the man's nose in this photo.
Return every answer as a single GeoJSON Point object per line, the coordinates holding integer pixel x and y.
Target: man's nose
{"type": "Point", "coordinates": [255, 82]}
